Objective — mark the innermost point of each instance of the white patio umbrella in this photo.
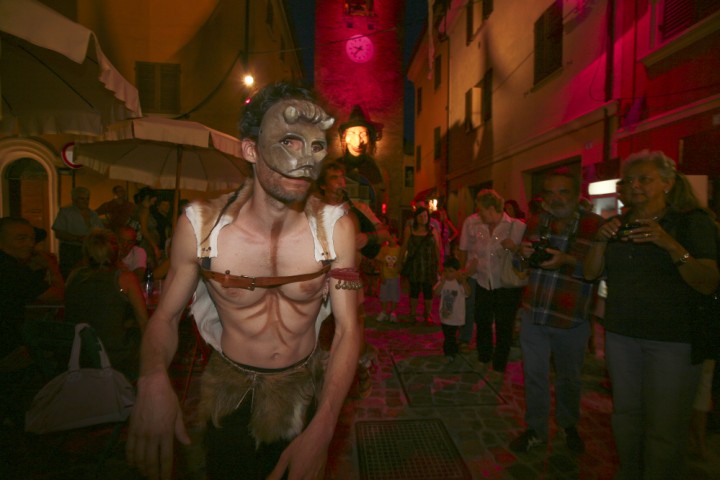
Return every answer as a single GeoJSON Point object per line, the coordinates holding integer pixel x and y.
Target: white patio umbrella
{"type": "Point", "coordinates": [166, 153]}
{"type": "Point", "coordinates": [54, 77]}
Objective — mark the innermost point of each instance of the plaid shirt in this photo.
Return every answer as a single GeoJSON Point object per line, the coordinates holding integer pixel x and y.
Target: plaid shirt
{"type": "Point", "coordinates": [561, 298]}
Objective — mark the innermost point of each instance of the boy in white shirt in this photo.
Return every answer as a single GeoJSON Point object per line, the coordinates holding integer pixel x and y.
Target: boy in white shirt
{"type": "Point", "coordinates": [453, 288]}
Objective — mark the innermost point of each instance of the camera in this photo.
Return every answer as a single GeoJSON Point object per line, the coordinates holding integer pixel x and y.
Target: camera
{"type": "Point", "coordinates": [626, 228]}
{"type": "Point", "coordinates": [540, 254]}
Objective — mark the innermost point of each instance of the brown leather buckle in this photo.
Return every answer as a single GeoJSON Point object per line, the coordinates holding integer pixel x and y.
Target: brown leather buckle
{"type": "Point", "coordinates": [251, 287]}
{"type": "Point", "coordinates": [230, 279]}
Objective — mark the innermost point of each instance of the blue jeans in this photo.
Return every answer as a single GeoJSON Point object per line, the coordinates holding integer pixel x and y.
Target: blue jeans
{"type": "Point", "coordinates": [466, 330]}
{"type": "Point", "coordinates": [567, 347]}
{"type": "Point", "coordinates": [653, 385]}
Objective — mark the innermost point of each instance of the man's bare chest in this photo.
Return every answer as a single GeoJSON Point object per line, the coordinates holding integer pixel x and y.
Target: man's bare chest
{"type": "Point", "coordinates": [247, 268]}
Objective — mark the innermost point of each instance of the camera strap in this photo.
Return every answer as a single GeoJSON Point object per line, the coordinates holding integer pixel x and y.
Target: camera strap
{"type": "Point", "coordinates": [566, 238]}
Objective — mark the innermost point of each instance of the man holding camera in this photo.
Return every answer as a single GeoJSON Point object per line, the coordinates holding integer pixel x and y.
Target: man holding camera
{"type": "Point", "coordinates": [555, 310]}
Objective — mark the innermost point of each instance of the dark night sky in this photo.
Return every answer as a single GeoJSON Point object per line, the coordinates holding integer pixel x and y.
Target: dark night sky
{"type": "Point", "coordinates": [301, 14]}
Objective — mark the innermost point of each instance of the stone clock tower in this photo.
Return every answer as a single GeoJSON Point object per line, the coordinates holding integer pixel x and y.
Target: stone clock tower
{"type": "Point", "coordinates": [358, 61]}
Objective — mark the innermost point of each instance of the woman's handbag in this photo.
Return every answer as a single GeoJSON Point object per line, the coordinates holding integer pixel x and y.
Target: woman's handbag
{"type": "Point", "coordinates": [81, 397]}
{"type": "Point", "coordinates": [511, 277]}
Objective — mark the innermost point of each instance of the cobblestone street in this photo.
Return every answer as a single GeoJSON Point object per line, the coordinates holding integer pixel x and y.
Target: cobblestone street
{"type": "Point", "coordinates": [482, 411]}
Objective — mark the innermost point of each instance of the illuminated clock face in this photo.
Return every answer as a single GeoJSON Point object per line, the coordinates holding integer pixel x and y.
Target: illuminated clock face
{"type": "Point", "coordinates": [359, 48]}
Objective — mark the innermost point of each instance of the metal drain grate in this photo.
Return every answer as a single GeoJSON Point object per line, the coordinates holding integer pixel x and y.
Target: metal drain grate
{"type": "Point", "coordinates": [408, 450]}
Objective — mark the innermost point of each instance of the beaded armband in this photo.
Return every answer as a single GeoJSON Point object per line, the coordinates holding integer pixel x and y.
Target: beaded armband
{"type": "Point", "coordinates": [348, 278]}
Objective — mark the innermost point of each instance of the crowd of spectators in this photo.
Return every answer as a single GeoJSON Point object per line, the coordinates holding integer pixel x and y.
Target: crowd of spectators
{"type": "Point", "coordinates": [658, 259]}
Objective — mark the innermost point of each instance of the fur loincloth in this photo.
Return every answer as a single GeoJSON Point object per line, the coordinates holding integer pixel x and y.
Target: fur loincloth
{"type": "Point", "coordinates": [282, 400]}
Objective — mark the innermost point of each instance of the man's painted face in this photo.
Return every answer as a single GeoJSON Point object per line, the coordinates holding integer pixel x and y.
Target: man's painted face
{"type": "Point", "coordinates": [356, 140]}
{"type": "Point", "coordinates": [292, 139]}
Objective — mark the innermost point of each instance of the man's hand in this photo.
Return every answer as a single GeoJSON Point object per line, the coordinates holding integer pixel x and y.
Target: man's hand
{"type": "Point", "coordinates": [155, 417]}
{"type": "Point", "coordinates": [526, 249]}
{"type": "Point", "coordinates": [470, 267]}
{"type": "Point", "coordinates": [559, 259]}
{"type": "Point", "coordinates": [304, 458]}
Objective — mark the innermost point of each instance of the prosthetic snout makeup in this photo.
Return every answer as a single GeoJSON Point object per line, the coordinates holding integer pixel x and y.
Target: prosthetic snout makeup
{"type": "Point", "coordinates": [292, 138]}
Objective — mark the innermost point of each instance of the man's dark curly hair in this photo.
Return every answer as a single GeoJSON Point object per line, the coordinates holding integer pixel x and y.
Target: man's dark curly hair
{"type": "Point", "coordinates": [252, 115]}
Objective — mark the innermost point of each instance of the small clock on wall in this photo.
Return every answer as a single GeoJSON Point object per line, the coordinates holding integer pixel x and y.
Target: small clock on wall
{"type": "Point", "coordinates": [359, 48]}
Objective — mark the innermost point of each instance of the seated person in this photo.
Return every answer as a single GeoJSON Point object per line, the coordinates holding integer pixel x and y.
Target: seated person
{"type": "Point", "coordinates": [108, 297]}
{"type": "Point", "coordinates": [133, 257]}
{"type": "Point", "coordinates": [28, 275]}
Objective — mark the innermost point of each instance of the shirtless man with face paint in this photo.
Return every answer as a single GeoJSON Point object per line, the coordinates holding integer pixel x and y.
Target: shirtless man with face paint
{"type": "Point", "coordinates": [261, 263]}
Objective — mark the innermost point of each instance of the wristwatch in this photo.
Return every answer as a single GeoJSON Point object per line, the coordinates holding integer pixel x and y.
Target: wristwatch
{"type": "Point", "coordinates": [682, 260]}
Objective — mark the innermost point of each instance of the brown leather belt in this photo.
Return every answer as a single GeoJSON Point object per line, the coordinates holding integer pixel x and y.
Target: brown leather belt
{"type": "Point", "coordinates": [227, 280]}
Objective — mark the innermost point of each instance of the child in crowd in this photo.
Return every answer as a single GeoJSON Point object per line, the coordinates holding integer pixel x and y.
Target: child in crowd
{"type": "Point", "coordinates": [389, 279]}
{"type": "Point", "coordinates": [453, 288]}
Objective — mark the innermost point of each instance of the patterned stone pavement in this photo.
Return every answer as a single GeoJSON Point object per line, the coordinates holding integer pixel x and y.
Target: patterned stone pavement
{"type": "Point", "coordinates": [481, 411]}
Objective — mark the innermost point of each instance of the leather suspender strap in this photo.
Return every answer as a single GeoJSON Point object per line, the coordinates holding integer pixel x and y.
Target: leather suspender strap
{"type": "Point", "coordinates": [227, 280]}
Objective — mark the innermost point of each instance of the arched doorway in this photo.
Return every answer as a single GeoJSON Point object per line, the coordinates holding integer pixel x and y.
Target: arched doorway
{"type": "Point", "coordinates": [27, 189]}
{"type": "Point", "coordinates": [28, 182]}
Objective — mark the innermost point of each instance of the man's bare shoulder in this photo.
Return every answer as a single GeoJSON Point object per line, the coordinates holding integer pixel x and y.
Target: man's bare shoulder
{"type": "Point", "coordinates": [184, 242]}
{"type": "Point", "coordinates": [205, 214]}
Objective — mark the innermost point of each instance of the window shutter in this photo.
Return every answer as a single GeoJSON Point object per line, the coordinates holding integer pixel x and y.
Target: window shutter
{"type": "Point", "coordinates": [677, 16]}
{"type": "Point", "coordinates": [159, 86]}
{"type": "Point", "coordinates": [145, 81]}
{"type": "Point", "coordinates": [170, 88]}
{"type": "Point", "coordinates": [548, 41]}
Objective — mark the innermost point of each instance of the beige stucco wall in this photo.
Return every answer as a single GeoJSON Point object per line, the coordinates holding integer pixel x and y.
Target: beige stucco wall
{"type": "Point", "coordinates": [532, 126]}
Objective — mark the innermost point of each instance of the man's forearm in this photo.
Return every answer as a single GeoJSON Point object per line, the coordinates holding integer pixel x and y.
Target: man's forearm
{"type": "Point", "coordinates": [594, 263]}
{"type": "Point", "coordinates": [462, 258]}
{"type": "Point", "coordinates": [343, 359]}
{"type": "Point", "coordinates": [159, 345]}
